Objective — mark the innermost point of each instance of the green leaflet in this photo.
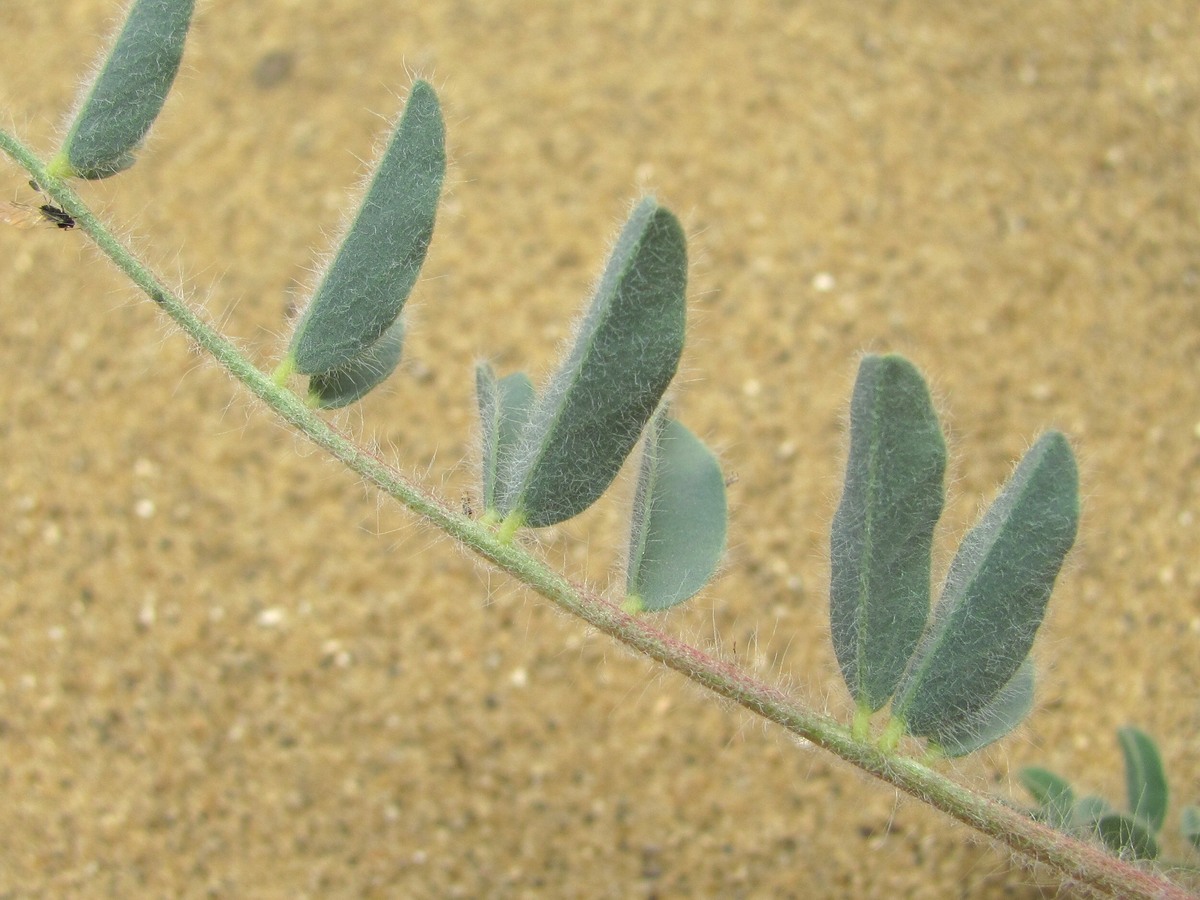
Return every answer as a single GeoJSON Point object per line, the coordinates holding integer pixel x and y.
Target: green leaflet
{"type": "Point", "coordinates": [883, 529]}
{"type": "Point", "coordinates": [1053, 793]}
{"type": "Point", "coordinates": [356, 379]}
{"type": "Point", "coordinates": [1088, 811]}
{"type": "Point", "coordinates": [1189, 825]}
{"type": "Point", "coordinates": [995, 593]}
{"type": "Point", "coordinates": [677, 533]}
{"type": "Point", "coordinates": [1134, 836]}
{"type": "Point", "coordinates": [1127, 837]}
{"type": "Point", "coordinates": [504, 408]}
{"type": "Point", "coordinates": [588, 418]}
{"type": "Point", "coordinates": [994, 720]}
{"type": "Point", "coordinates": [1145, 780]}
{"type": "Point", "coordinates": [364, 290]}
{"type": "Point", "coordinates": [127, 95]}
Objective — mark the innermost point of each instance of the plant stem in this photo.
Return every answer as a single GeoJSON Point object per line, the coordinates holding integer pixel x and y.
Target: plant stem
{"type": "Point", "coordinates": [1074, 861]}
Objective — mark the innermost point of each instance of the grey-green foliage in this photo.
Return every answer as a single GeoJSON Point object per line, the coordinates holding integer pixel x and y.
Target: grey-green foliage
{"type": "Point", "coordinates": [1127, 836]}
{"type": "Point", "coordinates": [677, 530]}
{"type": "Point", "coordinates": [883, 529]}
{"type": "Point", "coordinates": [1145, 779]}
{"type": "Point", "coordinates": [353, 381]}
{"type": "Point", "coordinates": [995, 594]}
{"type": "Point", "coordinates": [127, 94]}
{"type": "Point", "coordinates": [1189, 825]}
{"type": "Point", "coordinates": [363, 291]}
{"type": "Point", "coordinates": [1132, 835]}
{"type": "Point", "coordinates": [1054, 795]}
{"type": "Point", "coordinates": [994, 720]}
{"type": "Point", "coordinates": [1088, 811]}
{"type": "Point", "coordinates": [588, 418]}
{"type": "Point", "coordinates": [504, 407]}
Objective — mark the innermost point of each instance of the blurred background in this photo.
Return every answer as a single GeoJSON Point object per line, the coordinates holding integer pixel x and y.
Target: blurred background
{"type": "Point", "coordinates": [227, 669]}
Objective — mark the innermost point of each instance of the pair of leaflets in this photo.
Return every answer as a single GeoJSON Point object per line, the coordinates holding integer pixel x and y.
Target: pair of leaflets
{"type": "Point", "coordinates": [548, 456]}
{"type": "Point", "coordinates": [351, 336]}
{"type": "Point", "coordinates": [961, 676]}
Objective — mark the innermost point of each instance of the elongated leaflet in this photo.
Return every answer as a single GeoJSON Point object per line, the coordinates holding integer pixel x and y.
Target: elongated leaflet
{"type": "Point", "coordinates": [1145, 779]}
{"type": "Point", "coordinates": [587, 420]}
{"type": "Point", "coordinates": [378, 262]}
{"type": "Point", "coordinates": [126, 97]}
{"type": "Point", "coordinates": [883, 529]}
{"type": "Point", "coordinates": [504, 407]}
{"type": "Point", "coordinates": [995, 594]}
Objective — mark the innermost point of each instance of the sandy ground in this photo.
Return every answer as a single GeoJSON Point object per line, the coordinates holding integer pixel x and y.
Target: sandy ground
{"type": "Point", "coordinates": [227, 670]}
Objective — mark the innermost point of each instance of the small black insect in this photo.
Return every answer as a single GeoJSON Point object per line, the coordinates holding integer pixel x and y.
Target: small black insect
{"type": "Point", "coordinates": [22, 216]}
{"type": "Point", "coordinates": [59, 217]}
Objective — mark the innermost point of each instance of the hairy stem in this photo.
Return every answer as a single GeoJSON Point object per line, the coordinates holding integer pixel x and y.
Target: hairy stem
{"type": "Point", "coordinates": [1074, 861]}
